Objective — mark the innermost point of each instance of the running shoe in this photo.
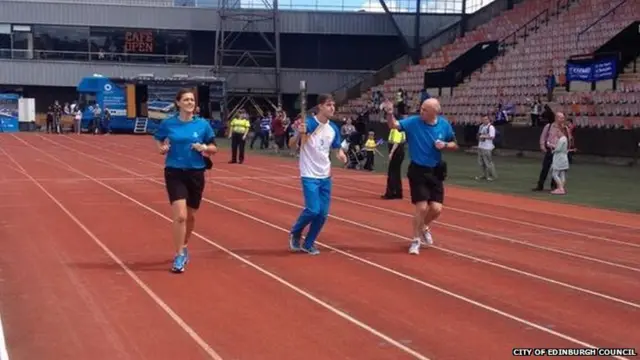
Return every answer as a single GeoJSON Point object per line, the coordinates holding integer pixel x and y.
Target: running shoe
{"type": "Point", "coordinates": [294, 243]}
{"type": "Point", "coordinates": [310, 249]}
{"type": "Point", "coordinates": [178, 263]}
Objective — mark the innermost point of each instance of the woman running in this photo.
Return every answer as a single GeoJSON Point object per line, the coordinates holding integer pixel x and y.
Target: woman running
{"type": "Point", "coordinates": [187, 141]}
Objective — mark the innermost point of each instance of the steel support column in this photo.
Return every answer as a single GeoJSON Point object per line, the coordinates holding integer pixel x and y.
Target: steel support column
{"type": "Point", "coordinates": [464, 18]}
{"type": "Point", "coordinates": [403, 39]}
{"type": "Point", "coordinates": [417, 50]}
{"type": "Point", "coordinates": [231, 62]}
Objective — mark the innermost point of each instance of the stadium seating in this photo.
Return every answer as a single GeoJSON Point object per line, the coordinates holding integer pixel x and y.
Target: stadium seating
{"type": "Point", "coordinates": [519, 75]}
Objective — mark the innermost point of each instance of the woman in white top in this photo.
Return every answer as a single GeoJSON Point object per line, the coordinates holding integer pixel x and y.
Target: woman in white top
{"type": "Point", "coordinates": [560, 163]}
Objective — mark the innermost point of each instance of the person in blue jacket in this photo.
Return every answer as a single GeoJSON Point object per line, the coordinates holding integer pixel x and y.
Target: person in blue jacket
{"type": "Point", "coordinates": [187, 141]}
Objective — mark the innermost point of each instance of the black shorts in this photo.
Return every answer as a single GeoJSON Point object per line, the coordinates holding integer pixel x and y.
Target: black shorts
{"type": "Point", "coordinates": [185, 184]}
{"type": "Point", "coordinates": [424, 184]}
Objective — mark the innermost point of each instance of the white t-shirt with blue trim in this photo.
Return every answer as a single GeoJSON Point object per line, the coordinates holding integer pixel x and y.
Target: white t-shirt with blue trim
{"type": "Point", "coordinates": [314, 153]}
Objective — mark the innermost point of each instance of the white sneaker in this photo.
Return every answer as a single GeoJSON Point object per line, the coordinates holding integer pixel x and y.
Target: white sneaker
{"type": "Point", "coordinates": [428, 239]}
{"type": "Point", "coordinates": [414, 249]}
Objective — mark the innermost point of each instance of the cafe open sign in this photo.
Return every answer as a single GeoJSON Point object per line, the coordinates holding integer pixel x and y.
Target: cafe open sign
{"type": "Point", "coordinates": [138, 42]}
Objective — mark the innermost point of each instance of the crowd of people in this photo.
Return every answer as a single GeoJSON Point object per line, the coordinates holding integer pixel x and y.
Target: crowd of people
{"type": "Point", "coordinates": [56, 113]}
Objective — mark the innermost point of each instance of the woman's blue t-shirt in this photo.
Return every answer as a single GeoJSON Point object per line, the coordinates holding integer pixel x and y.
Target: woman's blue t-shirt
{"type": "Point", "coordinates": [181, 135]}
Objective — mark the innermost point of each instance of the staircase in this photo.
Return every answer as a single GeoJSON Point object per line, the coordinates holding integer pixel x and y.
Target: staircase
{"type": "Point", "coordinates": [140, 126]}
{"type": "Point", "coordinates": [509, 23]}
{"type": "Point", "coordinates": [629, 80]}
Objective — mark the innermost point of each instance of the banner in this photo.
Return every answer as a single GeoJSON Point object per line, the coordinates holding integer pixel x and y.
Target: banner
{"type": "Point", "coordinates": [9, 112]}
{"type": "Point", "coordinates": [590, 71]}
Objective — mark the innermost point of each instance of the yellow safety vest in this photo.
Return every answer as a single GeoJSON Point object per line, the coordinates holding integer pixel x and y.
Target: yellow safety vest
{"type": "Point", "coordinates": [396, 136]}
{"type": "Point", "coordinates": [370, 145]}
{"type": "Point", "coordinates": [239, 126]}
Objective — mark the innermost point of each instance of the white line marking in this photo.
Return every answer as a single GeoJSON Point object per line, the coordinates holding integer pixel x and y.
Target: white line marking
{"type": "Point", "coordinates": [520, 208]}
{"type": "Point", "coordinates": [461, 228]}
{"type": "Point", "coordinates": [398, 236]}
{"type": "Point", "coordinates": [212, 353]}
{"type": "Point", "coordinates": [520, 222]}
{"type": "Point", "coordinates": [273, 276]}
{"type": "Point", "coordinates": [473, 231]}
{"type": "Point", "coordinates": [4, 353]}
{"type": "Point", "coordinates": [477, 232]}
{"type": "Point", "coordinates": [376, 265]}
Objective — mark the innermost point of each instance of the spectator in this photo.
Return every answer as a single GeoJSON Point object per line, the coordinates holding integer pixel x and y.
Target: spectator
{"type": "Point", "coordinates": [502, 117]}
{"type": "Point", "coordinates": [278, 129]}
{"type": "Point", "coordinates": [547, 115]}
{"type": "Point", "coordinates": [572, 140]}
{"type": "Point", "coordinates": [548, 141]}
{"type": "Point", "coordinates": [263, 133]}
{"type": "Point", "coordinates": [560, 163]}
{"type": "Point", "coordinates": [550, 84]}
{"type": "Point", "coordinates": [536, 111]}
{"type": "Point", "coordinates": [424, 95]}
{"type": "Point", "coordinates": [347, 128]}
{"type": "Point", "coordinates": [486, 135]}
{"type": "Point", "coordinates": [401, 102]}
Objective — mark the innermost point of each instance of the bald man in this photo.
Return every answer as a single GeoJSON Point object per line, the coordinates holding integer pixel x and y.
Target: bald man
{"type": "Point", "coordinates": [427, 135]}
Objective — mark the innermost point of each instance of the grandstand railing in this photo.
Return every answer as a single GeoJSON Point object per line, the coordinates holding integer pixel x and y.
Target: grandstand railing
{"type": "Point", "coordinates": [444, 36]}
{"type": "Point", "coordinates": [356, 87]}
{"type": "Point", "coordinates": [99, 57]}
{"type": "Point", "coordinates": [531, 26]}
{"type": "Point", "coordinates": [611, 12]}
{"type": "Point", "coordinates": [447, 35]}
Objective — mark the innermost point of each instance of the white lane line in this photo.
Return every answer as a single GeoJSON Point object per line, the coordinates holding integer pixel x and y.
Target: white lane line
{"type": "Point", "coordinates": [271, 275]}
{"type": "Point", "coordinates": [465, 229]}
{"type": "Point", "coordinates": [398, 236]}
{"type": "Point", "coordinates": [538, 211]}
{"type": "Point", "coordinates": [504, 238]}
{"type": "Point", "coordinates": [4, 353]}
{"type": "Point", "coordinates": [203, 344]}
{"type": "Point", "coordinates": [488, 216]}
{"type": "Point", "coordinates": [371, 263]}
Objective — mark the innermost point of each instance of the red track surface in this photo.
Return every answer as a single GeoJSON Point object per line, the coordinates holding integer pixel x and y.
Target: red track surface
{"type": "Point", "coordinates": [86, 251]}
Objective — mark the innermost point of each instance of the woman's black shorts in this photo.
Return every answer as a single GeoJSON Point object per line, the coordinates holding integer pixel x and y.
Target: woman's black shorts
{"type": "Point", "coordinates": [185, 184]}
{"type": "Point", "coordinates": [424, 184]}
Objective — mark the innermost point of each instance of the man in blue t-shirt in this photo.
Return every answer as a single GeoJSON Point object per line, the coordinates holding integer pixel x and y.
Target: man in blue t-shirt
{"type": "Point", "coordinates": [427, 135]}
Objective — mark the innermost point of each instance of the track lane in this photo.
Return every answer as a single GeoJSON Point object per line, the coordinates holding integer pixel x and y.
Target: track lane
{"type": "Point", "coordinates": [57, 301]}
{"type": "Point", "coordinates": [227, 303]}
{"type": "Point", "coordinates": [235, 196]}
{"type": "Point", "coordinates": [622, 244]}
{"type": "Point", "coordinates": [622, 287]}
{"type": "Point", "coordinates": [623, 254]}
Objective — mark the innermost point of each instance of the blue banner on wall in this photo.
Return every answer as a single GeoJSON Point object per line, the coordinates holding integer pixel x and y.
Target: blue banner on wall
{"type": "Point", "coordinates": [596, 70]}
{"type": "Point", "coordinates": [9, 113]}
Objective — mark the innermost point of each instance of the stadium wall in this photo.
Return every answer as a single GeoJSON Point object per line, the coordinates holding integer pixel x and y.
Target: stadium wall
{"type": "Point", "coordinates": [297, 22]}
{"type": "Point", "coordinates": [68, 73]}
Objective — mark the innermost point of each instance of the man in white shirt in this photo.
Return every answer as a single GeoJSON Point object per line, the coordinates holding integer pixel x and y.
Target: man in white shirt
{"type": "Point", "coordinates": [316, 136]}
{"type": "Point", "coordinates": [486, 134]}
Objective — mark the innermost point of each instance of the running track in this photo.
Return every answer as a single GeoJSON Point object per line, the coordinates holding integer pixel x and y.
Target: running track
{"type": "Point", "coordinates": [86, 250]}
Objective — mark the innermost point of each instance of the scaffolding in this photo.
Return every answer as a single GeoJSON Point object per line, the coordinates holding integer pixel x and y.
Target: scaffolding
{"type": "Point", "coordinates": [235, 64]}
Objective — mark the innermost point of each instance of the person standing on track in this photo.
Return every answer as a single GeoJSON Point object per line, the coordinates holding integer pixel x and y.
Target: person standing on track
{"type": "Point", "coordinates": [427, 134]}
{"type": "Point", "coordinates": [238, 130]}
{"type": "Point", "coordinates": [187, 141]}
{"type": "Point", "coordinates": [316, 136]}
{"type": "Point", "coordinates": [396, 142]}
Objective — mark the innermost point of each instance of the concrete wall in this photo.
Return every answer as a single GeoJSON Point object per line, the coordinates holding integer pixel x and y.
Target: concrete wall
{"type": "Point", "coordinates": [302, 22]}
{"type": "Point", "coordinates": [50, 73]}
